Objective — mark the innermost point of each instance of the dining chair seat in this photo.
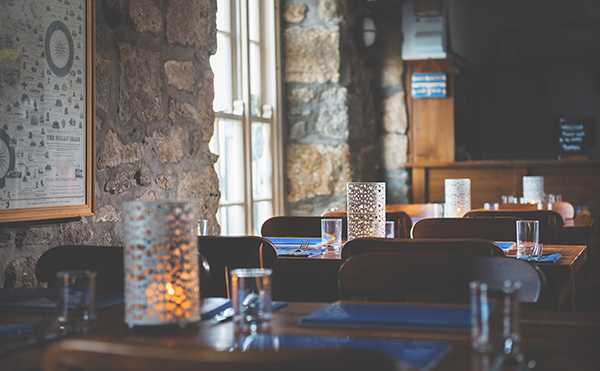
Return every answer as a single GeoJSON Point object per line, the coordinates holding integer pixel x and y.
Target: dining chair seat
{"type": "Point", "coordinates": [550, 222]}
{"type": "Point", "coordinates": [399, 276]}
{"type": "Point", "coordinates": [225, 253]}
{"type": "Point", "coordinates": [495, 229]}
{"type": "Point", "coordinates": [459, 246]}
{"type": "Point", "coordinates": [96, 355]}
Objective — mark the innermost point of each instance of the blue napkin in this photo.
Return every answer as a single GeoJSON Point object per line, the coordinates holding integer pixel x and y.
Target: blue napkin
{"type": "Point", "coordinates": [288, 241]}
{"type": "Point", "coordinates": [544, 259]}
{"type": "Point", "coordinates": [292, 251]}
{"type": "Point", "coordinates": [505, 244]}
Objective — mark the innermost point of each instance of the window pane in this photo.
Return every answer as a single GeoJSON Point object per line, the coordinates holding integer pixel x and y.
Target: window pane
{"type": "Point", "coordinates": [224, 15]}
{"type": "Point", "coordinates": [230, 165]}
{"type": "Point", "coordinates": [231, 219]}
{"type": "Point", "coordinates": [261, 161]}
{"type": "Point", "coordinates": [262, 211]}
{"type": "Point", "coordinates": [255, 78]}
{"type": "Point", "coordinates": [254, 16]}
{"type": "Point", "coordinates": [221, 65]}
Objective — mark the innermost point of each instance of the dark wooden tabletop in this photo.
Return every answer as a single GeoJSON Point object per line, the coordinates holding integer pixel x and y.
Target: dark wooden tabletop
{"type": "Point", "coordinates": [554, 340]}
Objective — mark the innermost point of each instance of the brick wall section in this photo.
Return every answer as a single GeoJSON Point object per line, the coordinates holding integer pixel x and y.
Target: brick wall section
{"type": "Point", "coordinates": [153, 122]}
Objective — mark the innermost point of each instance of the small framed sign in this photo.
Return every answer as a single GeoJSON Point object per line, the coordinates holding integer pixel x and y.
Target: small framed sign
{"type": "Point", "coordinates": [575, 136]}
{"type": "Point", "coordinates": [428, 84]}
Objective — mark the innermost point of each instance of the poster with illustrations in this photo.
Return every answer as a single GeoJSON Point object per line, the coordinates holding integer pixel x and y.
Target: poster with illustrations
{"type": "Point", "coordinates": [43, 103]}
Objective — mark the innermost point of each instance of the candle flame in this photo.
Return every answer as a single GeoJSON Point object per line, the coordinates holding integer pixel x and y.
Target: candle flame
{"type": "Point", "coordinates": [170, 289]}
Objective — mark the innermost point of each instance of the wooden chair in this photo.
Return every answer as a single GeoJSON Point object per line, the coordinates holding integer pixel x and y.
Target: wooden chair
{"type": "Point", "coordinates": [565, 209]}
{"type": "Point", "coordinates": [441, 277]}
{"type": "Point", "coordinates": [230, 252]}
{"type": "Point", "coordinates": [463, 246]}
{"type": "Point", "coordinates": [107, 261]}
{"type": "Point", "coordinates": [402, 221]}
{"type": "Point", "coordinates": [298, 226]}
{"type": "Point", "coordinates": [96, 355]}
{"type": "Point", "coordinates": [495, 229]}
{"type": "Point", "coordinates": [551, 223]}
{"type": "Point", "coordinates": [418, 211]}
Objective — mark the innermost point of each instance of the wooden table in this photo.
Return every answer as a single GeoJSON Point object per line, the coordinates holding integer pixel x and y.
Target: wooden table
{"type": "Point", "coordinates": [558, 340]}
{"type": "Point", "coordinates": [315, 279]}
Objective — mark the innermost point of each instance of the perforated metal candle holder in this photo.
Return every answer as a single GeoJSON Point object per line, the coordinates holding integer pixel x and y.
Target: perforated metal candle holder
{"type": "Point", "coordinates": [366, 209]}
{"type": "Point", "coordinates": [457, 197]}
{"type": "Point", "coordinates": [533, 189]}
{"type": "Point", "coordinates": [162, 284]}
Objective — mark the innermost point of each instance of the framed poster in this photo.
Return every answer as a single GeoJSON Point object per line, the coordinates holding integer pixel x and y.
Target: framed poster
{"type": "Point", "coordinates": [46, 109]}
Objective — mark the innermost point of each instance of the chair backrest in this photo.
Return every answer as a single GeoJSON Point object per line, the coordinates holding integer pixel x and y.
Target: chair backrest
{"type": "Point", "coordinates": [441, 276]}
{"type": "Point", "coordinates": [495, 229]}
{"type": "Point", "coordinates": [511, 206]}
{"type": "Point", "coordinates": [402, 221]}
{"type": "Point", "coordinates": [565, 209]}
{"type": "Point", "coordinates": [459, 246]}
{"type": "Point", "coordinates": [298, 226]}
{"type": "Point", "coordinates": [551, 223]}
{"type": "Point", "coordinates": [96, 355]}
{"type": "Point", "coordinates": [107, 261]}
{"type": "Point", "coordinates": [418, 211]}
{"type": "Point", "coordinates": [233, 252]}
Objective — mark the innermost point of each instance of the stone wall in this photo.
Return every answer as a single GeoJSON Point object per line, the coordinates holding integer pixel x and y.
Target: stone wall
{"type": "Point", "coordinates": [345, 114]}
{"type": "Point", "coordinates": [153, 122]}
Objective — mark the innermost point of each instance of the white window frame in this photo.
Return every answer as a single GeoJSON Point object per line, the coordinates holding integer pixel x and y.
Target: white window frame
{"type": "Point", "coordinates": [241, 88]}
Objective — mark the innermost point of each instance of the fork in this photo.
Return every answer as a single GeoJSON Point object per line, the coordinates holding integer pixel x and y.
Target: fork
{"type": "Point", "coordinates": [303, 246]}
{"type": "Point", "coordinates": [536, 253]}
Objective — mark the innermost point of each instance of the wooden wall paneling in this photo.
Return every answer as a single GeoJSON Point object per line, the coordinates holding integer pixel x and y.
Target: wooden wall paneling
{"type": "Point", "coordinates": [431, 120]}
{"type": "Point", "coordinates": [419, 185]}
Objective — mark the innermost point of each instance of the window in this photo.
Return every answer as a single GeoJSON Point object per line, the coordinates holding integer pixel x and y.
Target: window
{"type": "Point", "coordinates": [246, 124]}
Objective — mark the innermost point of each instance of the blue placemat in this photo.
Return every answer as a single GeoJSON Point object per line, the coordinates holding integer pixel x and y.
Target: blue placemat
{"type": "Point", "coordinates": [45, 300]}
{"type": "Point", "coordinates": [392, 316]}
{"type": "Point", "coordinates": [418, 355]}
{"type": "Point", "coordinates": [11, 329]}
{"type": "Point", "coordinates": [293, 241]}
{"type": "Point", "coordinates": [552, 258]}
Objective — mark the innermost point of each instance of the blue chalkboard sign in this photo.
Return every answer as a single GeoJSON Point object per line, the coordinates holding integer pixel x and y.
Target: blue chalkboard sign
{"type": "Point", "coordinates": [575, 136]}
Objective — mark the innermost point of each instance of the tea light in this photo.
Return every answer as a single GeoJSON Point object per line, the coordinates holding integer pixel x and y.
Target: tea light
{"type": "Point", "coordinates": [366, 209]}
{"type": "Point", "coordinates": [162, 285]}
{"type": "Point", "coordinates": [533, 189]}
{"type": "Point", "coordinates": [457, 197]}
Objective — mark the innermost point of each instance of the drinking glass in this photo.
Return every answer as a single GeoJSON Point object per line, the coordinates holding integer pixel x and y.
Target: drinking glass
{"type": "Point", "coordinates": [528, 236]}
{"type": "Point", "coordinates": [251, 298]}
{"type": "Point", "coordinates": [76, 304]}
{"type": "Point", "coordinates": [331, 234]}
{"type": "Point", "coordinates": [389, 229]}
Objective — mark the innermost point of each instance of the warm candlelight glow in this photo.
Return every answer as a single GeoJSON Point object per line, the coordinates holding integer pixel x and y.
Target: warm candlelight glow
{"type": "Point", "coordinates": [170, 289]}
